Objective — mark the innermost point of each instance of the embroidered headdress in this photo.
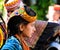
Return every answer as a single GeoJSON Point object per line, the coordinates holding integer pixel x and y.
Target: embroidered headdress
{"type": "Point", "coordinates": [12, 4]}
{"type": "Point", "coordinates": [27, 13]}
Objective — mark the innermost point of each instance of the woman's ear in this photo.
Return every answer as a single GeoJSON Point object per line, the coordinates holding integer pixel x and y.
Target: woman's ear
{"type": "Point", "coordinates": [21, 27]}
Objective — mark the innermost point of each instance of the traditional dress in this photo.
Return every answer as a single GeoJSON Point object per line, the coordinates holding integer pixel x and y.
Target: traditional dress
{"type": "Point", "coordinates": [44, 35]}
{"type": "Point", "coordinates": [14, 43]}
{"type": "Point", "coordinates": [3, 22]}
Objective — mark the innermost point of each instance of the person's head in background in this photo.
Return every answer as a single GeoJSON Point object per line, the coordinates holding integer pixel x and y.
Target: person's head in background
{"type": "Point", "coordinates": [23, 23]}
{"type": "Point", "coordinates": [12, 5]}
{"type": "Point", "coordinates": [53, 13]}
{"type": "Point", "coordinates": [57, 12]}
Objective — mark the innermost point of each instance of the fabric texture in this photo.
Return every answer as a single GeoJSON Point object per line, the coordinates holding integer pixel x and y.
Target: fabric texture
{"type": "Point", "coordinates": [40, 26]}
{"type": "Point", "coordinates": [12, 44]}
{"type": "Point", "coordinates": [46, 38]}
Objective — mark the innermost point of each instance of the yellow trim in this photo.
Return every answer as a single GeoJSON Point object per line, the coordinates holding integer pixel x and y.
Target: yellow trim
{"type": "Point", "coordinates": [1, 38]}
{"type": "Point", "coordinates": [28, 17]}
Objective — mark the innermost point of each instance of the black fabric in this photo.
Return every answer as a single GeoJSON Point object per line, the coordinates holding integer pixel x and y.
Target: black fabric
{"type": "Point", "coordinates": [29, 11]}
{"type": "Point", "coordinates": [47, 33]}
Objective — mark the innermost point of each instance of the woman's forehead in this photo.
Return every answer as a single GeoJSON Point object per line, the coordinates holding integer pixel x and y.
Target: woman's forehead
{"type": "Point", "coordinates": [31, 23]}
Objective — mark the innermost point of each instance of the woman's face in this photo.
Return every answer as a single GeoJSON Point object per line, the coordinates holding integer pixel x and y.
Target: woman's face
{"type": "Point", "coordinates": [29, 29]}
{"type": "Point", "coordinates": [56, 15]}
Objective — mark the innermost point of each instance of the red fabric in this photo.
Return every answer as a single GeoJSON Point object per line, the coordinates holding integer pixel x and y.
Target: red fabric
{"type": "Point", "coordinates": [56, 7]}
{"type": "Point", "coordinates": [23, 42]}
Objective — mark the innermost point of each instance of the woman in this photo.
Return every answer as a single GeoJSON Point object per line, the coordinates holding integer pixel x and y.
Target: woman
{"type": "Point", "coordinates": [20, 26]}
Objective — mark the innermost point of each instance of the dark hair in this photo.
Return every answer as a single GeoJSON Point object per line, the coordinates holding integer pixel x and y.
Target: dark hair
{"type": "Point", "coordinates": [14, 23]}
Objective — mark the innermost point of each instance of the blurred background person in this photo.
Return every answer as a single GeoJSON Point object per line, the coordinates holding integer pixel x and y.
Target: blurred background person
{"type": "Point", "coordinates": [54, 14]}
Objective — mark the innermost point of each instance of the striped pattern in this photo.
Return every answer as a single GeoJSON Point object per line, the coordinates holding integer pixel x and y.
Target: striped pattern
{"type": "Point", "coordinates": [3, 33]}
{"type": "Point", "coordinates": [40, 26]}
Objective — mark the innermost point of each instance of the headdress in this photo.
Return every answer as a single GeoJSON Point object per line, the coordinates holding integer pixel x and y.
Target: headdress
{"type": "Point", "coordinates": [12, 5]}
{"type": "Point", "coordinates": [25, 13]}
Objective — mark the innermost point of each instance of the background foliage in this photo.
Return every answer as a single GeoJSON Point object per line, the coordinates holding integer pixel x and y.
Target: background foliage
{"type": "Point", "coordinates": [41, 8]}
